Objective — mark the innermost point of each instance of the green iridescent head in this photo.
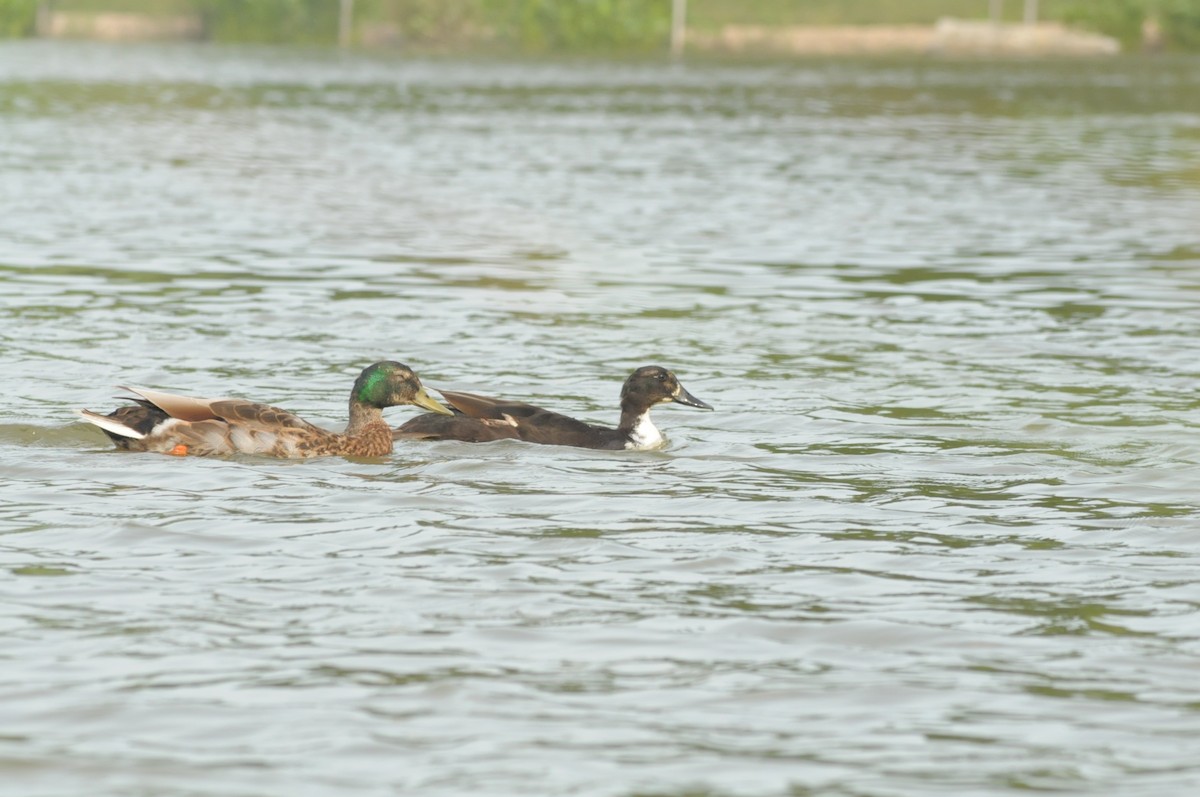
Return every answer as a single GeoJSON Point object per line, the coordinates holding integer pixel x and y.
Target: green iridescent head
{"type": "Point", "coordinates": [388, 384]}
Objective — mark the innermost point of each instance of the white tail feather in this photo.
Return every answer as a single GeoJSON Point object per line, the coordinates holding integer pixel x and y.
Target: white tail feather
{"type": "Point", "coordinates": [110, 425]}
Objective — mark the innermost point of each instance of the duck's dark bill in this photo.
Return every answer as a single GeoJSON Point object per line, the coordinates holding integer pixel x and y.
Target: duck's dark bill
{"type": "Point", "coordinates": [687, 398]}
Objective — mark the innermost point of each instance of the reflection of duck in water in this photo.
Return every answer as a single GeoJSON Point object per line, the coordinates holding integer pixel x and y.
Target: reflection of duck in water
{"type": "Point", "coordinates": [170, 424]}
{"type": "Point", "coordinates": [478, 419]}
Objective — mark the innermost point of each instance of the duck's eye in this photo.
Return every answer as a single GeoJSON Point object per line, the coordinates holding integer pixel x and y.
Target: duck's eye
{"type": "Point", "coordinates": [661, 377]}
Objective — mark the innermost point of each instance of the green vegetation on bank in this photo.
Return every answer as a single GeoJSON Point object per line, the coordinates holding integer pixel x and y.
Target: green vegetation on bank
{"type": "Point", "coordinates": [600, 25]}
{"type": "Point", "coordinates": [17, 17]}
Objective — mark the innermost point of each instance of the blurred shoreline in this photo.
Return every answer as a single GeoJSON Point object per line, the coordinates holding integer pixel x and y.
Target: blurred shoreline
{"type": "Point", "coordinates": [948, 36]}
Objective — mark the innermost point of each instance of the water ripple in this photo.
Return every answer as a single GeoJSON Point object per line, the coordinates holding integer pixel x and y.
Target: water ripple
{"type": "Point", "coordinates": [938, 534]}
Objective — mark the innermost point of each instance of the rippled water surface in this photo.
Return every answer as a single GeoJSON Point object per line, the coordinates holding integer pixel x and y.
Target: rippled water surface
{"type": "Point", "coordinates": [940, 536]}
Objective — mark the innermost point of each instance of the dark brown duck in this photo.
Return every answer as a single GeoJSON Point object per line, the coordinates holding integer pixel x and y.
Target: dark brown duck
{"type": "Point", "coordinates": [478, 419]}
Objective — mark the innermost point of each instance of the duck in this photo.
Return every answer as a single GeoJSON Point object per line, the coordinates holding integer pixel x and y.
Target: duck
{"type": "Point", "coordinates": [186, 426]}
{"type": "Point", "coordinates": [479, 419]}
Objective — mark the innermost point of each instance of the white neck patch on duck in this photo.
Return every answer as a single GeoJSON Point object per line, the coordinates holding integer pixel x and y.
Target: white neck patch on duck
{"type": "Point", "coordinates": [644, 434]}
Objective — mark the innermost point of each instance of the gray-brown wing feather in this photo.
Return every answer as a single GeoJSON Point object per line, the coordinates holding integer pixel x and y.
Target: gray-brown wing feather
{"type": "Point", "coordinates": [185, 408]}
{"type": "Point", "coordinates": [252, 414]}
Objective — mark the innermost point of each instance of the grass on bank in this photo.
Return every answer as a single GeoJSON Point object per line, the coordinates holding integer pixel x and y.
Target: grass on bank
{"type": "Point", "coordinates": [606, 25]}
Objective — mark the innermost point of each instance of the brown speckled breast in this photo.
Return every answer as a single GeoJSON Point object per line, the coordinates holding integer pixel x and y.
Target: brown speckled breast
{"type": "Point", "coordinates": [373, 441]}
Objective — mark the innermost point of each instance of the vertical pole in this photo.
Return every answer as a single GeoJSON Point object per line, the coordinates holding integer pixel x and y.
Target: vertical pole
{"type": "Point", "coordinates": [678, 27]}
{"type": "Point", "coordinates": [1031, 11]}
{"type": "Point", "coordinates": [345, 23]}
{"type": "Point", "coordinates": [996, 11]}
{"type": "Point", "coordinates": [44, 21]}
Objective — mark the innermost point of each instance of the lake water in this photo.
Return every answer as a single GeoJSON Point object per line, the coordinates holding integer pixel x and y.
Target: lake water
{"type": "Point", "coordinates": [940, 536]}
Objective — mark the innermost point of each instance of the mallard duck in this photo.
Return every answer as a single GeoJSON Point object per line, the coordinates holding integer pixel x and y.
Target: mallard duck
{"type": "Point", "coordinates": [181, 425]}
{"type": "Point", "coordinates": [479, 419]}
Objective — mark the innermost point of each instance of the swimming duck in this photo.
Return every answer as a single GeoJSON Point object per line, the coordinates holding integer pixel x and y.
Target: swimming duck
{"type": "Point", "coordinates": [181, 425]}
{"type": "Point", "coordinates": [478, 419]}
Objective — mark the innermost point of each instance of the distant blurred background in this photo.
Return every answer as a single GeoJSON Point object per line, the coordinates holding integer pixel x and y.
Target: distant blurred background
{"type": "Point", "coordinates": [586, 26]}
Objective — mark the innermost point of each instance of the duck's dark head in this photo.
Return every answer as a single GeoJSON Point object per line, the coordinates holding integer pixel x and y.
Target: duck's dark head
{"type": "Point", "coordinates": [389, 384]}
{"type": "Point", "coordinates": [653, 384]}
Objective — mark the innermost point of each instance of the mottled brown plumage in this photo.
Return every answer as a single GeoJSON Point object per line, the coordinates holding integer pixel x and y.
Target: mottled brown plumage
{"type": "Point", "coordinates": [171, 424]}
{"type": "Point", "coordinates": [479, 419]}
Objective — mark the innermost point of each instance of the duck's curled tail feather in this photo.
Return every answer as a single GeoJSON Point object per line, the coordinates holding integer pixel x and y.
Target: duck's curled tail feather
{"type": "Point", "coordinates": [113, 426]}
